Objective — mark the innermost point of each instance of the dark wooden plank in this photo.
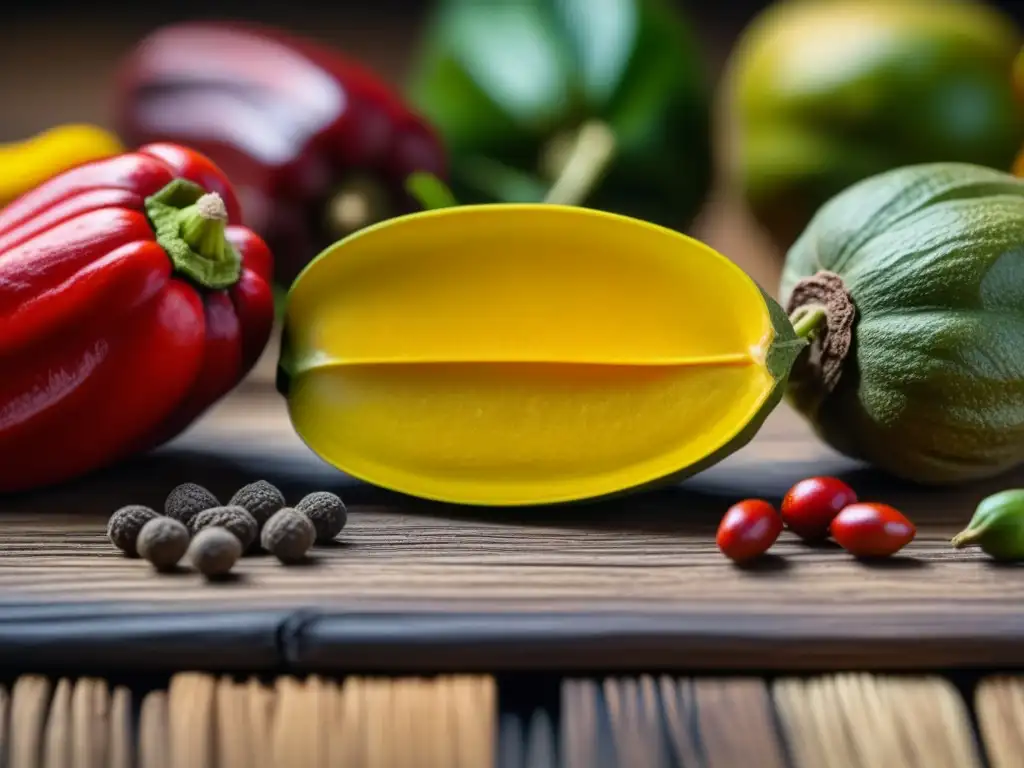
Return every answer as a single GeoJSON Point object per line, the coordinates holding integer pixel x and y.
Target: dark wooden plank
{"type": "Point", "coordinates": [81, 638]}
{"type": "Point", "coordinates": [445, 636]}
{"type": "Point", "coordinates": [626, 583]}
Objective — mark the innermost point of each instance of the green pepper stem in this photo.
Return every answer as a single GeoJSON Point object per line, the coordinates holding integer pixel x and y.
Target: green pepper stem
{"type": "Point", "coordinates": [807, 320]}
{"type": "Point", "coordinates": [967, 537]}
{"type": "Point", "coordinates": [588, 158]}
{"type": "Point", "coordinates": [202, 227]}
{"type": "Point", "coordinates": [190, 224]}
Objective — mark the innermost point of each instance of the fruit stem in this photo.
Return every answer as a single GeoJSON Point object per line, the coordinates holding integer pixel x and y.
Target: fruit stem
{"type": "Point", "coordinates": [202, 227]}
{"type": "Point", "coordinates": [190, 224]}
{"type": "Point", "coordinates": [807, 320]}
{"type": "Point", "coordinates": [967, 538]}
{"type": "Point", "coordinates": [588, 158]}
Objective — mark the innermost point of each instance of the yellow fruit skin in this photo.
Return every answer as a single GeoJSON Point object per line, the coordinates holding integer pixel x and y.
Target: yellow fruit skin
{"type": "Point", "coordinates": [824, 93]}
{"type": "Point", "coordinates": [26, 164]}
{"type": "Point", "coordinates": [511, 355]}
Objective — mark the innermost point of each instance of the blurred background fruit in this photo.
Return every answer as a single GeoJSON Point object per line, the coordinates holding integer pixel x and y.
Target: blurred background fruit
{"type": "Point", "coordinates": [316, 143]}
{"type": "Point", "coordinates": [1018, 82]}
{"type": "Point", "coordinates": [511, 83]}
{"type": "Point", "coordinates": [59, 61]}
{"type": "Point", "coordinates": [823, 93]}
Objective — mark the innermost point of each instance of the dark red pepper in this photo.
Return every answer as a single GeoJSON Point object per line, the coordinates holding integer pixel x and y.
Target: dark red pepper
{"type": "Point", "coordinates": [316, 145]}
{"type": "Point", "coordinates": [130, 301]}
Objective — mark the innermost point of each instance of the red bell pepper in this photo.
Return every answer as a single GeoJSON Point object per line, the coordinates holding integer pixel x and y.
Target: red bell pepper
{"type": "Point", "coordinates": [130, 300]}
{"type": "Point", "coordinates": [316, 144]}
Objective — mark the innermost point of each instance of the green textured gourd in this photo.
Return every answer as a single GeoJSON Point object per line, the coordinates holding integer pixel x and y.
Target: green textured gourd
{"type": "Point", "coordinates": [910, 285]}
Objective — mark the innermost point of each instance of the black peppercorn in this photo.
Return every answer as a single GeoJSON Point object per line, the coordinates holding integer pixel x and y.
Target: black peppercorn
{"type": "Point", "coordinates": [125, 524]}
{"type": "Point", "coordinates": [327, 513]}
{"type": "Point", "coordinates": [261, 499]}
{"type": "Point", "coordinates": [288, 535]}
{"type": "Point", "coordinates": [214, 551]}
{"type": "Point", "coordinates": [188, 500]}
{"type": "Point", "coordinates": [163, 541]}
{"type": "Point", "coordinates": [237, 520]}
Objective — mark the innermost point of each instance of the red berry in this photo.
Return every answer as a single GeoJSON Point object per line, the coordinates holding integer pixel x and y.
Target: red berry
{"type": "Point", "coordinates": [811, 505]}
{"type": "Point", "coordinates": [748, 530]}
{"type": "Point", "coordinates": [872, 530]}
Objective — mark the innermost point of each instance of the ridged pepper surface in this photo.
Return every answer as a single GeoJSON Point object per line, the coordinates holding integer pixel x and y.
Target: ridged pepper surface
{"type": "Point", "coordinates": [130, 300]}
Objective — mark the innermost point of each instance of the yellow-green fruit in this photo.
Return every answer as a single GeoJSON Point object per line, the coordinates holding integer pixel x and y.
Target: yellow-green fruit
{"type": "Point", "coordinates": [510, 355]}
{"type": "Point", "coordinates": [1018, 75]}
{"type": "Point", "coordinates": [1018, 84]}
{"type": "Point", "coordinates": [824, 93]}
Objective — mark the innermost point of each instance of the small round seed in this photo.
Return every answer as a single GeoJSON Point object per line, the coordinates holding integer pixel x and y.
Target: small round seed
{"type": "Point", "coordinates": [125, 524]}
{"type": "Point", "coordinates": [288, 535]}
{"type": "Point", "coordinates": [214, 551]}
{"type": "Point", "coordinates": [327, 513]}
{"type": "Point", "coordinates": [188, 500]}
{"type": "Point", "coordinates": [163, 541]}
{"type": "Point", "coordinates": [261, 499]}
{"type": "Point", "coordinates": [234, 519]}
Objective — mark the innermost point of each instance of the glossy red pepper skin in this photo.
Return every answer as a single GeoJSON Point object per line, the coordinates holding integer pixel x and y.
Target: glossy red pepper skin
{"type": "Point", "coordinates": [810, 506]}
{"type": "Point", "coordinates": [872, 530]}
{"type": "Point", "coordinates": [106, 348]}
{"type": "Point", "coordinates": [290, 122]}
{"type": "Point", "coordinates": [748, 529]}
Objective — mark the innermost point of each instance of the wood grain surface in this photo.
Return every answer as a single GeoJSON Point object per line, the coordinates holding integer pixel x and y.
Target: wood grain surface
{"type": "Point", "coordinates": [625, 584]}
{"type": "Point", "coordinates": [195, 720]}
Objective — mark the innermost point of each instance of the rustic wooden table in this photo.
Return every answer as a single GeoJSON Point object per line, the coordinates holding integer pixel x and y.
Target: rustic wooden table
{"type": "Point", "coordinates": [650, 646]}
{"type": "Point", "coordinates": [631, 584]}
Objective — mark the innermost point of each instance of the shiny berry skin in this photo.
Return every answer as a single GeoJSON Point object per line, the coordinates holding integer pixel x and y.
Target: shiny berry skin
{"type": "Point", "coordinates": [872, 530]}
{"type": "Point", "coordinates": [811, 505]}
{"type": "Point", "coordinates": [748, 530]}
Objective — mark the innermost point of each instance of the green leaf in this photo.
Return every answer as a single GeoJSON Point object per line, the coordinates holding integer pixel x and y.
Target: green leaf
{"type": "Point", "coordinates": [603, 35]}
{"type": "Point", "coordinates": [513, 51]}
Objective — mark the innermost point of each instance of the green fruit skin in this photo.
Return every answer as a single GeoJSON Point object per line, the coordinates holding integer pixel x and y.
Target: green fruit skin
{"type": "Point", "coordinates": [1000, 520]}
{"type": "Point", "coordinates": [824, 93]}
{"type": "Point", "coordinates": [933, 258]}
{"type": "Point", "coordinates": [504, 79]}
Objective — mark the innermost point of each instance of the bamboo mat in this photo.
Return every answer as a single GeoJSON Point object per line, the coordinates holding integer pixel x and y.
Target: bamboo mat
{"type": "Point", "coordinates": [202, 721]}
